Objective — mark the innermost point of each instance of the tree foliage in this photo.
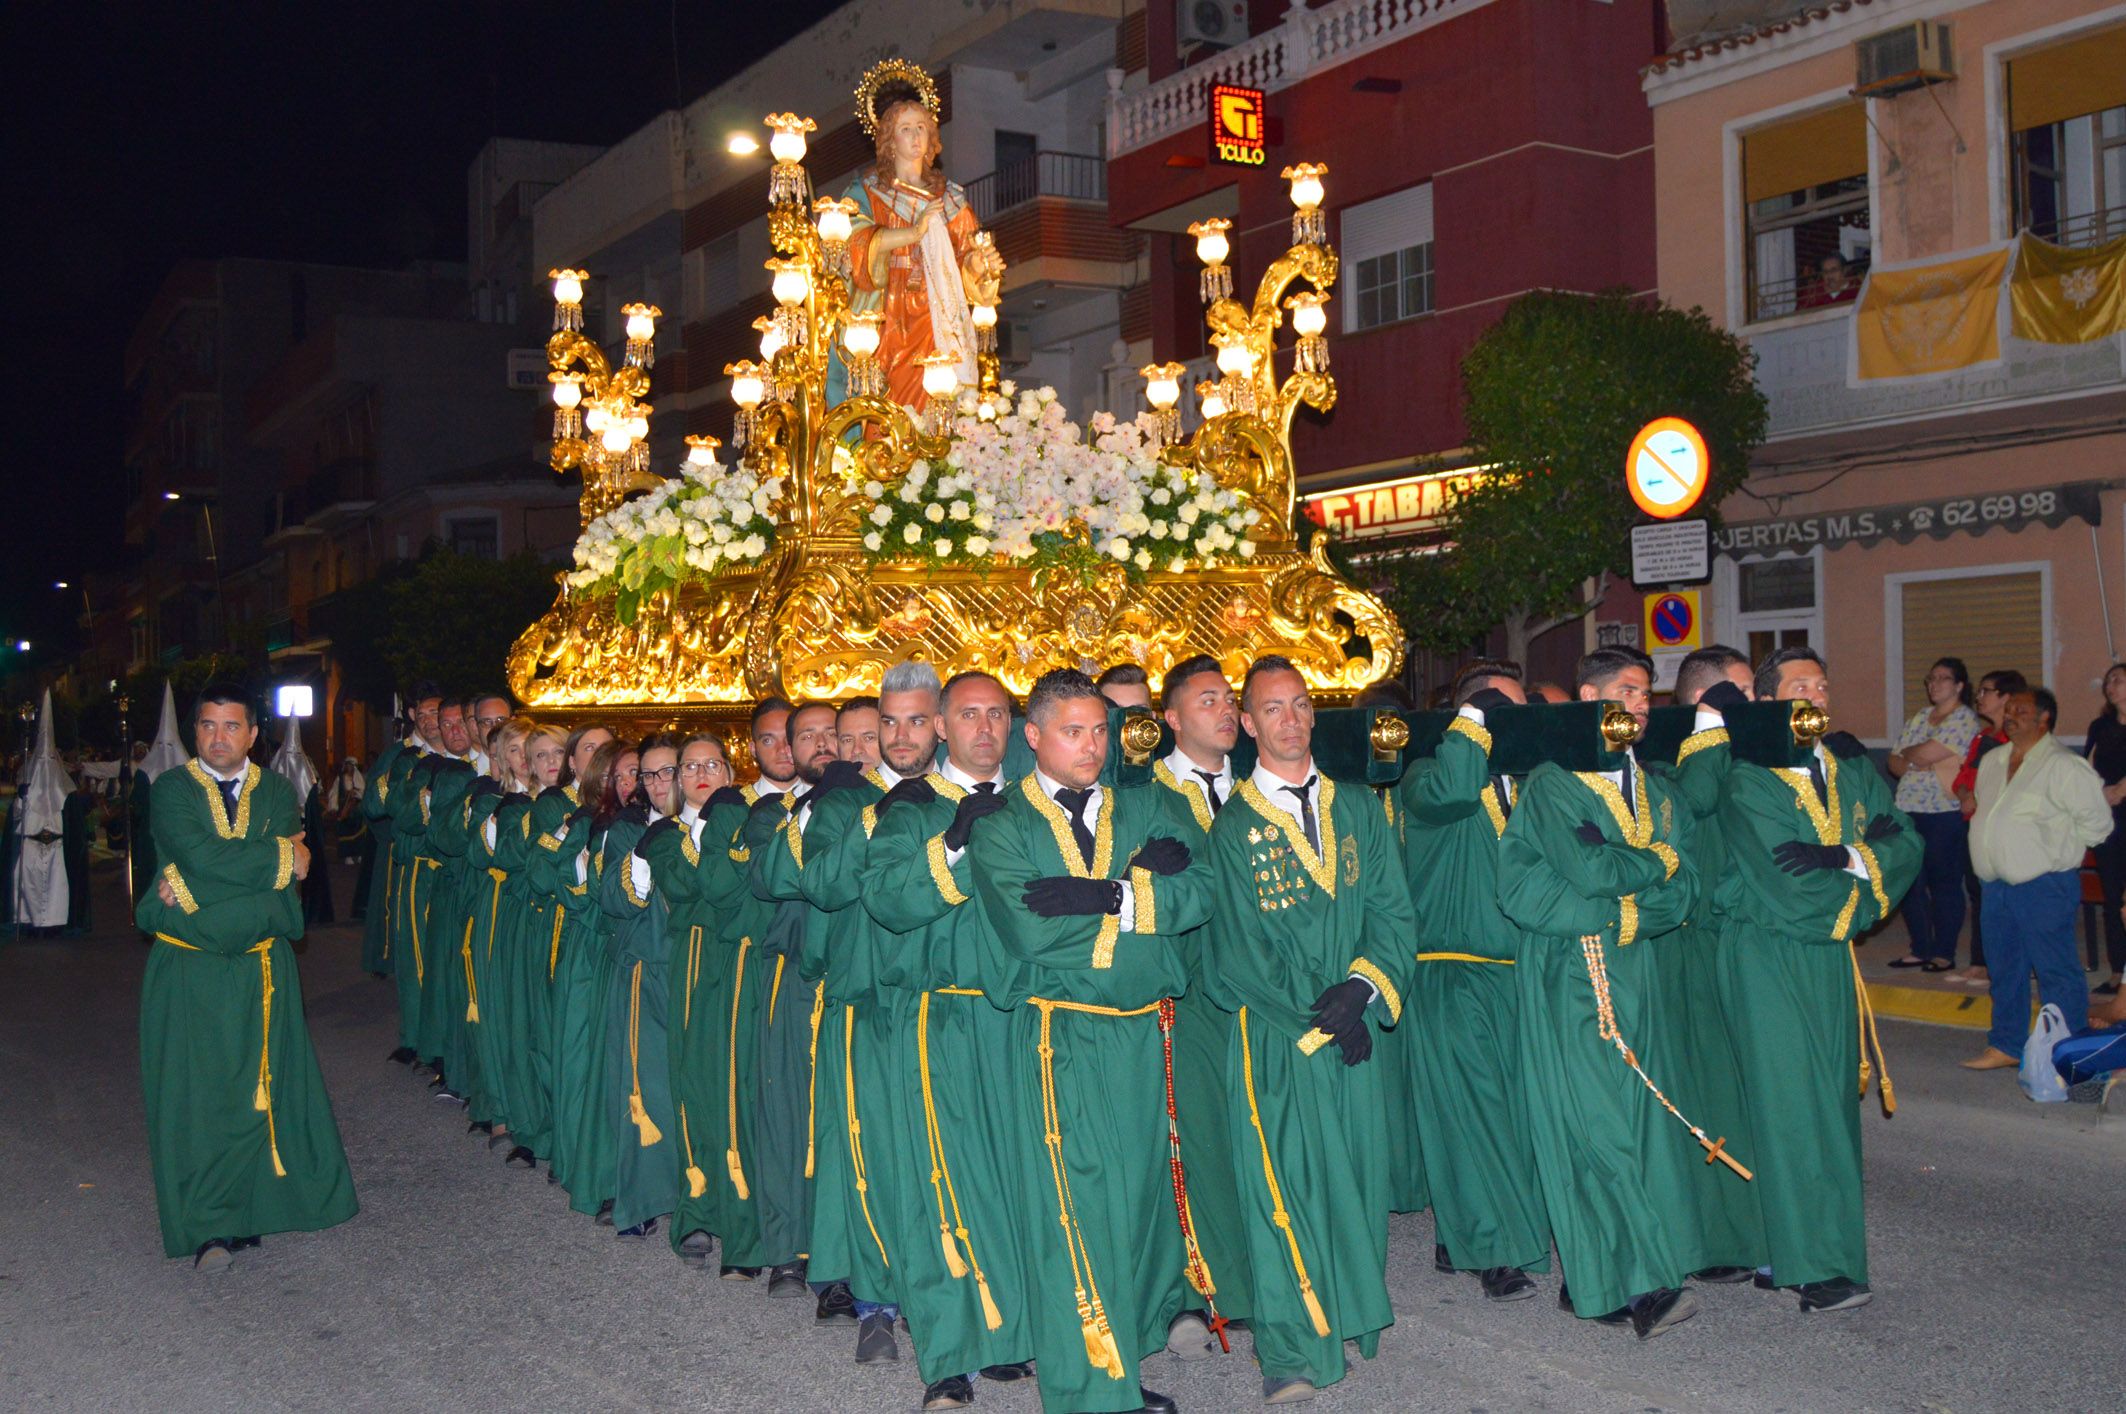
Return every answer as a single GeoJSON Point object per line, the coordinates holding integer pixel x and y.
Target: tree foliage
{"type": "Point", "coordinates": [455, 616]}
{"type": "Point", "coordinates": [1553, 395]}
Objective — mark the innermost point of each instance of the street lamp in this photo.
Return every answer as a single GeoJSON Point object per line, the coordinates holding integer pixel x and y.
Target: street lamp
{"type": "Point", "coordinates": [1212, 248]}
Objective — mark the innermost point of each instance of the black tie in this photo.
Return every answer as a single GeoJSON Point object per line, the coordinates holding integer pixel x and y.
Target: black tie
{"type": "Point", "coordinates": [229, 791]}
{"type": "Point", "coordinates": [985, 787]}
{"type": "Point", "coordinates": [1210, 789]}
{"type": "Point", "coordinates": [1504, 787]}
{"type": "Point", "coordinates": [1306, 812]}
{"type": "Point", "coordinates": [1624, 785]}
{"type": "Point", "coordinates": [1823, 796]}
{"type": "Point", "coordinates": [1075, 801]}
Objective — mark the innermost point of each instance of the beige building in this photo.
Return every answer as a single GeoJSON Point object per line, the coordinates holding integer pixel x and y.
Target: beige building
{"type": "Point", "coordinates": [1850, 186]}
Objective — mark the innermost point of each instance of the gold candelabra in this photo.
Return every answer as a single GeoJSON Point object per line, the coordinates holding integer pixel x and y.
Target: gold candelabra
{"type": "Point", "coordinates": [601, 423]}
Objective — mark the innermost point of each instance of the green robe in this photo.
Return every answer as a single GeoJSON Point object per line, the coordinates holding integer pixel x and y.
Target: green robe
{"type": "Point", "coordinates": [638, 1076]}
{"type": "Point", "coordinates": [1088, 1086]}
{"type": "Point", "coordinates": [950, 1141]}
{"type": "Point", "coordinates": [240, 1131]}
{"type": "Point", "coordinates": [1469, 1100]}
{"type": "Point", "coordinates": [1203, 1083]}
{"type": "Point", "coordinates": [1611, 1180]}
{"type": "Point", "coordinates": [857, 1185]}
{"type": "Point", "coordinates": [410, 885]}
{"type": "Point", "coordinates": [581, 967]}
{"type": "Point", "coordinates": [446, 937]}
{"type": "Point", "coordinates": [376, 814]}
{"type": "Point", "coordinates": [1409, 1183]}
{"type": "Point", "coordinates": [74, 847]}
{"type": "Point", "coordinates": [1290, 923]}
{"type": "Point", "coordinates": [781, 1116]}
{"type": "Point", "coordinates": [1790, 982]}
{"type": "Point", "coordinates": [1720, 1226]}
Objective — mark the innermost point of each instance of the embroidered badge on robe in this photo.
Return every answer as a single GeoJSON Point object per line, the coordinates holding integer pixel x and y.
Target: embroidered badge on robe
{"type": "Point", "coordinates": [1348, 852]}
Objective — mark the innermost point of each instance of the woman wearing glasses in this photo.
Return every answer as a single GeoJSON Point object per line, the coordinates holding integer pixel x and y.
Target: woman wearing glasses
{"type": "Point", "coordinates": [1929, 752]}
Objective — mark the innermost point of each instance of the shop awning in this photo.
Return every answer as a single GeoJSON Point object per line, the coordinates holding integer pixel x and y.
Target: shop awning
{"type": "Point", "coordinates": [1938, 519]}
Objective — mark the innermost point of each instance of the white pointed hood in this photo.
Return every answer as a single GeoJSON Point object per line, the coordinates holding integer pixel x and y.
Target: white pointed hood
{"type": "Point", "coordinates": [292, 764]}
{"type": "Point", "coordinates": [46, 784]}
{"type": "Point", "coordinates": [168, 752]}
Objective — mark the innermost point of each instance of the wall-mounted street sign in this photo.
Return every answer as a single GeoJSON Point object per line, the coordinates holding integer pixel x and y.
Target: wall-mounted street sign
{"type": "Point", "coordinates": [1238, 124]}
{"type": "Point", "coordinates": [1666, 467]}
{"type": "Point", "coordinates": [1672, 621]}
{"type": "Point", "coordinates": [1406, 506]}
{"type": "Point", "coordinates": [1671, 552]}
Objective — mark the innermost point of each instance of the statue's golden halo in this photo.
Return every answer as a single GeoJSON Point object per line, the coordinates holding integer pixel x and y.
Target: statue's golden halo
{"type": "Point", "coordinates": [892, 73]}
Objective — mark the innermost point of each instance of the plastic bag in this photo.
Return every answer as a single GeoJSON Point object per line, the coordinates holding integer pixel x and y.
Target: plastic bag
{"type": "Point", "coordinates": [2040, 1078]}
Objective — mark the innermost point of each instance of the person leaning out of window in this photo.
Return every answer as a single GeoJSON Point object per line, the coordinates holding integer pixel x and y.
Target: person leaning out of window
{"type": "Point", "coordinates": [1929, 752]}
{"type": "Point", "coordinates": [2106, 750]}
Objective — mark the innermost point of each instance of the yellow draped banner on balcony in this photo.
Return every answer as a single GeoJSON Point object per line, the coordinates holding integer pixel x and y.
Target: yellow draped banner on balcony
{"type": "Point", "coordinates": [2062, 295]}
{"type": "Point", "coordinates": [1932, 318]}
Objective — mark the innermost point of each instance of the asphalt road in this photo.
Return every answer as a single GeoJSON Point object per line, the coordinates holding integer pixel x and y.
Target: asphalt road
{"type": "Point", "coordinates": [463, 1284]}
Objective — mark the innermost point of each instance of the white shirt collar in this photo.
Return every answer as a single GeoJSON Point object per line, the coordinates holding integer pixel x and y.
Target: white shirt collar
{"type": "Point", "coordinates": [241, 771]}
{"type": "Point", "coordinates": [1050, 787]}
{"type": "Point", "coordinates": [1278, 791]}
{"type": "Point", "coordinates": [689, 813]}
{"type": "Point", "coordinates": [962, 779]}
{"type": "Point", "coordinates": [1184, 769]}
{"type": "Point", "coordinates": [763, 788]}
{"type": "Point", "coordinates": [887, 774]}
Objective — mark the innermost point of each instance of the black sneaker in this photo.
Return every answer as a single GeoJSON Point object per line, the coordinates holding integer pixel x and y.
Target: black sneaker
{"type": "Point", "coordinates": [605, 1214]}
{"type": "Point", "coordinates": [952, 1392]}
{"type": "Point", "coordinates": [836, 1306]}
{"type": "Point", "coordinates": [212, 1257]}
{"type": "Point", "coordinates": [1188, 1336]}
{"type": "Point", "coordinates": [1617, 1317]}
{"type": "Point", "coordinates": [1008, 1374]}
{"type": "Point", "coordinates": [1441, 1262]}
{"type": "Point", "coordinates": [1763, 1281]}
{"type": "Point", "coordinates": [521, 1158]}
{"type": "Point", "coordinates": [639, 1231]}
{"type": "Point", "coordinates": [874, 1339]}
{"type": "Point", "coordinates": [238, 1244]}
{"type": "Point", "coordinates": [1506, 1284]}
{"type": "Point", "coordinates": [1723, 1276]}
{"type": "Point", "coordinates": [787, 1279]}
{"type": "Point", "coordinates": [1155, 1402]}
{"type": "Point", "coordinates": [694, 1248]}
{"type": "Point", "coordinates": [1657, 1311]}
{"type": "Point", "coordinates": [738, 1273]}
{"type": "Point", "coordinates": [1837, 1294]}
{"type": "Point", "coordinates": [403, 1055]}
{"type": "Point", "coordinates": [1287, 1389]}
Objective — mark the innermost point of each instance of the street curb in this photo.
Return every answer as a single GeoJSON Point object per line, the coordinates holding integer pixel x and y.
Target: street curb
{"type": "Point", "coordinates": [1974, 1011]}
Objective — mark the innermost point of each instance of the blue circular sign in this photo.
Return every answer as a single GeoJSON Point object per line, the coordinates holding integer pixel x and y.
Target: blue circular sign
{"type": "Point", "coordinates": [1672, 620]}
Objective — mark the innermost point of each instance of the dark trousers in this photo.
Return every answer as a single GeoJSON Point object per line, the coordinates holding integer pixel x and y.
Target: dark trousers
{"type": "Point", "coordinates": [2033, 933]}
{"type": "Point", "coordinates": [2111, 869]}
{"type": "Point", "coordinates": [1934, 906]}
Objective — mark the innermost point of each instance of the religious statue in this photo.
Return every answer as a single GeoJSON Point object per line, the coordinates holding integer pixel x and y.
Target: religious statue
{"type": "Point", "coordinates": [914, 254]}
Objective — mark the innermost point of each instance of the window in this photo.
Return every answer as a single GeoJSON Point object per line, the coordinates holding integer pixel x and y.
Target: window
{"type": "Point", "coordinates": [2067, 151]}
{"type": "Point", "coordinates": [1805, 211]}
{"type": "Point", "coordinates": [1776, 586]}
{"type": "Point", "coordinates": [1991, 621]}
{"type": "Point", "coordinates": [1774, 602]}
{"type": "Point", "coordinates": [712, 284]}
{"type": "Point", "coordinates": [1387, 245]}
{"type": "Point", "coordinates": [475, 535]}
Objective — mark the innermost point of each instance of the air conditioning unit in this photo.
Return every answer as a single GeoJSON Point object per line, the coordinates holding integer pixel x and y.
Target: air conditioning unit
{"type": "Point", "coordinates": [1210, 24]}
{"type": "Point", "coordinates": [1908, 57]}
{"type": "Point", "coordinates": [1014, 344]}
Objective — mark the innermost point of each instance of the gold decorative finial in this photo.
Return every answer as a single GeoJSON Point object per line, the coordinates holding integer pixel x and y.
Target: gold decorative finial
{"type": "Point", "coordinates": [1810, 722]}
{"type": "Point", "coordinates": [1389, 734]}
{"type": "Point", "coordinates": [1140, 737]}
{"type": "Point", "coordinates": [1619, 727]}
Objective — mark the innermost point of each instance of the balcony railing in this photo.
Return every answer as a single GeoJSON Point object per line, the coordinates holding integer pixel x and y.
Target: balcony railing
{"type": "Point", "coordinates": [1307, 41]}
{"type": "Point", "coordinates": [2090, 228]}
{"type": "Point", "coordinates": [1073, 176]}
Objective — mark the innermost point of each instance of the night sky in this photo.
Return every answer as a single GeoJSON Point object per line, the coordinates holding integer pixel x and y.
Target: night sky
{"type": "Point", "coordinates": [142, 134]}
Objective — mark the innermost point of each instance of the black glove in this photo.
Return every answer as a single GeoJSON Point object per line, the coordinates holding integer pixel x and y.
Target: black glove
{"type": "Point", "coordinates": [1341, 1012]}
{"type": "Point", "coordinates": [1070, 898]}
{"type": "Point", "coordinates": [423, 774]}
{"type": "Point", "coordinates": [1721, 696]}
{"type": "Point", "coordinates": [725, 795]}
{"type": "Point", "coordinates": [636, 812]}
{"type": "Point", "coordinates": [1843, 745]}
{"type": "Point", "coordinates": [766, 817]}
{"type": "Point", "coordinates": [915, 791]}
{"type": "Point", "coordinates": [585, 811]}
{"type": "Point", "coordinates": [973, 807]}
{"type": "Point", "coordinates": [1589, 833]}
{"type": "Point", "coordinates": [1881, 828]}
{"type": "Point", "coordinates": [659, 827]}
{"type": "Point", "coordinates": [1162, 854]}
{"type": "Point", "coordinates": [483, 787]}
{"type": "Point", "coordinates": [1485, 699]}
{"type": "Point", "coordinates": [517, 797]}
{"type": "Point", "coordinates": [839, 775]}
{"type": "Point", "coordinates": [1798, 857]}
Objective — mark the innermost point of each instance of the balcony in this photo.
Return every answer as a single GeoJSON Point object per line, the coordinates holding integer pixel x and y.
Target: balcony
{"type": "Point", "coordinates": [1048, 213]}
{"type": "Point", "coordinates": [1306, 43]}
{"type": "Point", "coordinates": [1072, 176]}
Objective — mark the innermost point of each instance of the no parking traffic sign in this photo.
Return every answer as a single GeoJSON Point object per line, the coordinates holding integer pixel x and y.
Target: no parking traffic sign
{"type": "Point", "coordinates": [1672, 621]}
{"type": "Point", "coordinates": [1666, 467]}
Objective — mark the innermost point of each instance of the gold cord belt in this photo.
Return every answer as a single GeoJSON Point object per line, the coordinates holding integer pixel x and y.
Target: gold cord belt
{"type": "Point", "coordinates": [262, 1096]}
{"type": "Point", "coordinates": [952, 1236]}
{"type": "Point", "coordinates": [647, 1129]}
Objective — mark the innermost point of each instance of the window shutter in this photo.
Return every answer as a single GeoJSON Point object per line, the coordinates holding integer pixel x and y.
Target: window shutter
{"type": "Point", "coordinates": [1826, 146]}
{"type": "Point", "coordinates": [1385, 224]}
{"type": "Point", "coordinates": [1993, 622]}
{"type": "Point", "coordinates": [2053, 85]}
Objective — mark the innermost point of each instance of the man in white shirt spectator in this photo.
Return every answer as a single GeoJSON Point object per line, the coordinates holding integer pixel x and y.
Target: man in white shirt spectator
{"type": "Point", "coordinates": [2040, 807]}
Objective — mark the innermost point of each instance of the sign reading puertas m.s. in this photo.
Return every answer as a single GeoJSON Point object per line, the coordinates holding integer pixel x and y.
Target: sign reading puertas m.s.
{"type": "Point", "coordinates": [1237, 125]}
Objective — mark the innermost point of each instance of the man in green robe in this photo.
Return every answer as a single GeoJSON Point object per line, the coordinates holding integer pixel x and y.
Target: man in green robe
{"type": "Point", "coordinates": [1196, 782]}
{"type": "Point", "coordinates": [1086, 893]}
{"type": "Point", "coordinates": [409, 888]}
{"type": "Point", "coordinates": [961, 1261]}
{"type": "Point", "coordinates": [1721, 1230]}
{"type": "Point", "coordinates": [1469, 1102]}
{"type": "Point", "coordinates": [424, 700]}
{"type": "Point", "coordinates": [1590, 864]}
{"type": "Point", "coordinates": [638, 1071]}
{"type": "Point", "coordinates": [1817, 854]}
{"type": "Point", "coordinates": [240, 1131]}
{"type": "Point", "coordinates": [1312, 925]}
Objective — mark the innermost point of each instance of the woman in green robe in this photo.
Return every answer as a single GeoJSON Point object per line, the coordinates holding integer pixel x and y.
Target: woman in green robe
{"type": "Point", "coordinates": [240, 1131]}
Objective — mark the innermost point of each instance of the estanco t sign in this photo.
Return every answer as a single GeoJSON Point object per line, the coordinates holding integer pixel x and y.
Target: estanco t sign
{"type": "Point", "coordinates": [1666, 467]}
{"type": "Point", "coordinates": [1237, 125]}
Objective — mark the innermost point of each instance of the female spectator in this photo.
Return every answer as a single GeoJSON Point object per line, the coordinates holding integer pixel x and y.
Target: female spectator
{"type": "Point", "coordinates": [2106, 750]}
{"type": "Point", "coordinates": [1991, 698]}
{"type": "Point", "coordinates": [1929, 752]}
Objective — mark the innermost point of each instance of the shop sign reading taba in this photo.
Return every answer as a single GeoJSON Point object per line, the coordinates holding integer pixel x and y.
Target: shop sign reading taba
{"type": "Point", "coordinates": [1940, 518]}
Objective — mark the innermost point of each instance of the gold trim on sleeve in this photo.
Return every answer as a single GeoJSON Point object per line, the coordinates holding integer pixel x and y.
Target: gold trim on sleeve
{"type": "Point", "coordinates": [176, 881]}
{"type": "Point", "coordinates": [941, 872]}
{"type": "Point", "coordinates": [1479, 734]}
{"type": "Point", "coordinates": [1361, 967]}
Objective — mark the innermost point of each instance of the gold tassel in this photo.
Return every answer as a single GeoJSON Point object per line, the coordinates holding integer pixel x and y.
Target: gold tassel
{"type": "Point", "coordinates": [697, 1181]}
{"type": "Point", "coordinates": [1094, 1353]}
{"type": "Point", "coordinates": [259, 1101]}
{"type": "Point", "coordinates": [991, 1316]}
{"type": "Point", "coordinates": [1110, 1356]}
{"type": "Point", "coordinates": [1314, 1311]}
{"type": "Point", "coordinates": [738, 1175]}
{"type": "Point", "coordinates": [651, 1134]}
{"type": "Point", "coordinates": [953, 1264]}
{"type": "Point", "coordinates": [472, 1011]}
